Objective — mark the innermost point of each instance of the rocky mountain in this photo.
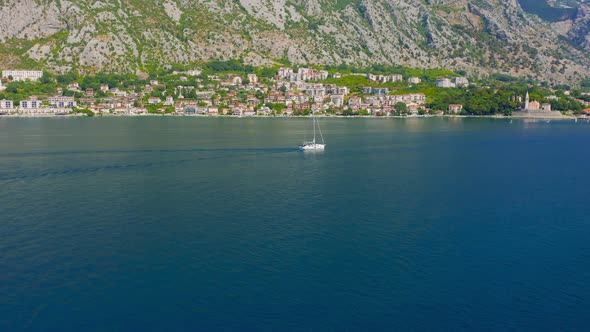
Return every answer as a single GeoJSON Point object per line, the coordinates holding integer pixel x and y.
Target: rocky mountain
{"type": "Point", "coordinates": [478, 36]}
{"type": "Point", "coordinates": [579, 32]}
{"type": "Point", "coordinates": [571, 18]}
{"type": "Point", "coordinates": [577, 27]}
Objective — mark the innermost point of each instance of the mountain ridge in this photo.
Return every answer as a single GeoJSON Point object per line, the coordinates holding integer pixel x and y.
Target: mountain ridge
{"type": "Point", "coordinates": [480, 37]}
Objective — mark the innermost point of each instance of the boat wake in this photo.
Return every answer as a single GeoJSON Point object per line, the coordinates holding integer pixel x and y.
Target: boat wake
{"type": "Point", "coordinates": [89, 152]}
{"type": "Point", "coordinates": [22, 173]}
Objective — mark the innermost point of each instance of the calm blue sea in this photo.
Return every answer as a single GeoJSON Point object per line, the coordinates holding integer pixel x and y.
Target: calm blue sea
{"type": "Point", "coordinates": [218, 224]}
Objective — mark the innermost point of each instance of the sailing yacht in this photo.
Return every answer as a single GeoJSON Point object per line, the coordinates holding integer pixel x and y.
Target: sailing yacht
{"type": "Point", "coordinates": [313, 145]}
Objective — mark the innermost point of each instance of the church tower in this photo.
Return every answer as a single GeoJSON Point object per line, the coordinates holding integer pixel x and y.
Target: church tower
{"type": "Point", "coordinates": [526, 101]}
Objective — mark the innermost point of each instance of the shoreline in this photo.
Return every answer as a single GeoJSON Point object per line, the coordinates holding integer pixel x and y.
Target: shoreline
{"type": "Point", "coordinates": [78, 115]}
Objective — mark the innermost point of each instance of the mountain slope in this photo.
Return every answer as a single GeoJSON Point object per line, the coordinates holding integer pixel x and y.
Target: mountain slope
{"type": "Point", "coordinates": [479, 36]}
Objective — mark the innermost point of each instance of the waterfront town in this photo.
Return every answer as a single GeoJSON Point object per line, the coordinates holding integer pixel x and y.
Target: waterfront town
{"type": "Point", "coordinates": [288, 92]}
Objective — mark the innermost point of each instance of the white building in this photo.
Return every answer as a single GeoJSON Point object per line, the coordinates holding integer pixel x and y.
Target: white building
{"type": "Point", "coordinates": [194, 72]}
{"type": "Point", "coordinates": [461, 81]}
{"type": "Point", "coordinates": [253, 78]}
{"type": "Point", "coordinates": [30, 103]}
{"type": "Point", "coordinates": [5, 104]}
{"type": "Point", "coordinates": [318, 99]}
{"type": "Point", "coordinates": [340, 90]}
{"type": "Point", "coordinates": [337, 100]}
{"type": "Point", "coordinates": [236, 80]}
{"type": "Point", "coordinates": [414, 80]}
{"type": "Point", "coordinates": [169, 101]}
{"type": "Point", "coordinates": [302, 74]}
{"type": "Point", "coordinates": [74, 86]}
{"type": "Point", "coordinates": [284, 72]}
{"type": "Point", "coordinates": [154, 100]}
{"type": "Point", "coordinates": [380, 91]}
{"type": "Point", "coordinates": [418, 98]}
{"type": "Point", "coordinates": [455, 108]}
{"type": "Point", "coordinates": [316, 91]}
{"type": "Point", "coordinates": [320, 75]}
{"type": "Point", "coordinates": [22, 75]}
{"type": "Point", "coordinates": [444, 83]}
{"type": "Point", "coordinates": [118, 93]}
{"type": "Point", "coordinates": [397, 78]}
{"type": "Point", "coordinates": [385, 78]}
{"type": "Point", "coordinates": [61, 101]}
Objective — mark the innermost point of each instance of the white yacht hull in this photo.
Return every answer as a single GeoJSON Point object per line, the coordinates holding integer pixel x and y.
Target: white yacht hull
{"type": "Point", "coordinates": [313, 146]}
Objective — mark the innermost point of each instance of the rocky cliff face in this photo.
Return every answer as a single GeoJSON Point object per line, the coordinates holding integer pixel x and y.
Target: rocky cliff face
{"type": "Point", "coordinates": [479, 36]}
{"type": "Point", "coordinates": [570, 18]}
{"type": "Point", "coordinates": [579, 32]}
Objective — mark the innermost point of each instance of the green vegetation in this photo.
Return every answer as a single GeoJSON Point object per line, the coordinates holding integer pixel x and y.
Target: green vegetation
{"type": "Point", "coordinates": [303, 112]}
{"type": "Point", "coordinates": [503, 77]}
{"type": "Point", "coordinates": [400, 108]}
{"type": "Point", "coordinates": [229, 66]}
{"type": "Point", "coordinates": [159, 109]}
{"type": "Point", "coordinates": [17, 91]}
{"type": "Point", "coordinates": [354, 82]}
{"type": "Point", "coordinates": [276, 107]}
{"type": "Point", "coordinates": [83, 111]}
{"type": "Point", "coordinates": [502, 100]}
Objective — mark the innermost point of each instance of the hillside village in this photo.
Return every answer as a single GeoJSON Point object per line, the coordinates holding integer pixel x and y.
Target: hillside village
{"type": "Point", "coordinates": [287, 92]}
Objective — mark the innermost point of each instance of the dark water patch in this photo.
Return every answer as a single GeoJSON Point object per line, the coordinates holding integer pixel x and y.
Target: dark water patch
{"type": "Point", "coordinates": [86, 152]}
{"type": "Point", "coordinates": [546, 12]}
{"type": "Point", "coordinates": [233, 153]}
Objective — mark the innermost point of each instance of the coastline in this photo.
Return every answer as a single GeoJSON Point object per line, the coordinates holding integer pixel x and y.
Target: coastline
{"type": "Point", "coordinates": [496, 116]}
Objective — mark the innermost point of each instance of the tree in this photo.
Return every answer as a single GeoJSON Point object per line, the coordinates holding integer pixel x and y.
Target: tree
{"type": "Point", "coordinates": [47, 78]}
{"type": "Point", "coordinates": [68, 77]}
{"type": "Point", "coordinates": [278, 107]}
{"type": "Point", "coordinates": [401, 107]}
{"type": "Point", "coordinates": [267, 72]}
{"type": "Point", "coordinates": [347, 112]}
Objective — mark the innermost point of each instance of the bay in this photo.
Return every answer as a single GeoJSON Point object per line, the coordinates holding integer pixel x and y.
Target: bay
{"type": "Point", "coordinates": [221, 224]}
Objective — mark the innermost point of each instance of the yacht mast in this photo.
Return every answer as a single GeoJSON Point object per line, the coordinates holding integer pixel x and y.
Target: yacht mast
{"type": "Point", "coordinates": [313, 122]}
{"type": "Point", "coordinates": [320, 130]}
